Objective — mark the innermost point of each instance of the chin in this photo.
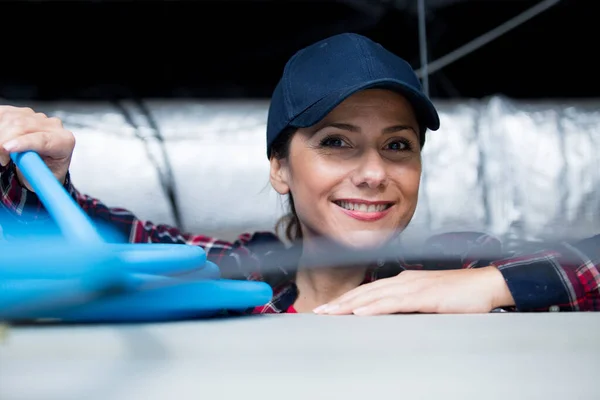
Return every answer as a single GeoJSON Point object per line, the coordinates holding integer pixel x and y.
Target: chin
{"type": "Point", "coordinates": [365, 239]}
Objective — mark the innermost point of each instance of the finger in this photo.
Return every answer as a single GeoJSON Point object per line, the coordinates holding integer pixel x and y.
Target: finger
{"type": "Point", "coordinates": [362, 289]}
{"type": "Point", "coordinates": [54, 144]}
{"type": "Point", "coordinates": [25, 122]}
{"type": "Point", "coordinates": [37, 141]}
{"type": "Point", "coordinates": [410, 303]}
{"type": "Point", "coordinates": [15, 121]}
{"type": "Point", "coordinates": [346, 307]}
{"type": "Point", "coordinates": [8, 110]}
{"type": "Point", "coordinates": [15, 117]}
{"type": "Point", "coordinates": [404, 278]}
{"type": "Point", "coordinates": [13, 126]}
{"type": "Point", "coordinates": [54, 122]}
{"type": "Point", "coordinates": [344, 299]}
{"type": "Point", "coordinates": [399, 290]}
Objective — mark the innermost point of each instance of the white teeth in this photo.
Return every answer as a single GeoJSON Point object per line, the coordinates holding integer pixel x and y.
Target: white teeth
{"type": "Point", "coordinates": [362, 207]}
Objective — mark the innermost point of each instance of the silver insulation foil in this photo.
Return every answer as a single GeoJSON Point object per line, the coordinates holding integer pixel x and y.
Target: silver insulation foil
{"type": "Point", "coordinates": [523, 171]}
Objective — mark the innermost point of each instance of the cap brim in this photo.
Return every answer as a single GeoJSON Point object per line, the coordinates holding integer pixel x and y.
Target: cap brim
{"type": "Point", "coordinates": [423, 107]}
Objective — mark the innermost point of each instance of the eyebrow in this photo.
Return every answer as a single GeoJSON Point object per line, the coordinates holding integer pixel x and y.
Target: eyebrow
{"type": "Point", "coordinates": [354, 128]}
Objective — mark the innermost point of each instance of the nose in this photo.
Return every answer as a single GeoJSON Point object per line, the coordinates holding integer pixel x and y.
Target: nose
{"type": "Point", "coordinates": [371, 171]}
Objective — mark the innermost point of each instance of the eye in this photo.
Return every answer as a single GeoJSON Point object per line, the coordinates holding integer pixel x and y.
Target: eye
{"type": "Point", "coordinates": [399, 145]}
{"type": "Point", "coordinates": [333, 141]}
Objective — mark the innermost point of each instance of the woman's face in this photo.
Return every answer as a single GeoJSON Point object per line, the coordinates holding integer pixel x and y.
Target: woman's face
{"type": "Point", "coordinates": [355, 175]}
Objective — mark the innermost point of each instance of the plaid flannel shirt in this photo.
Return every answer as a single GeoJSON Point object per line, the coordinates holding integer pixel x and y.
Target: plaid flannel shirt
{"type": "Point", "coordinates": [563, 278]}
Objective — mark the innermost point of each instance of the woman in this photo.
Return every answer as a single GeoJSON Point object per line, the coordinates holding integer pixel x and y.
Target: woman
{"type": "Point", "coordinates": [346, 126]}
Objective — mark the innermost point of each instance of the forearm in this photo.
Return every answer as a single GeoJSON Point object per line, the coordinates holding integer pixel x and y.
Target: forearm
{"type": "Point", "coordinates": [565, 278]}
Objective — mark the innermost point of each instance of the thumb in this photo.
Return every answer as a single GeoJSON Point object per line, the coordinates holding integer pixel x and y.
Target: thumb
{"type": "Point", "coordinates": [5, 151]}
{"type": "Point", "coordinates": [4, 157]}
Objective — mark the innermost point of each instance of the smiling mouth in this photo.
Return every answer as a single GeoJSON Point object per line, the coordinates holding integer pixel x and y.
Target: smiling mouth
{"type": "Point", "coordinates": [364, 206]}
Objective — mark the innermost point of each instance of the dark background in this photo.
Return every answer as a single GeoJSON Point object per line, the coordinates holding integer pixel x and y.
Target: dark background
{"type": "Point", "coordinates": [213, 49]}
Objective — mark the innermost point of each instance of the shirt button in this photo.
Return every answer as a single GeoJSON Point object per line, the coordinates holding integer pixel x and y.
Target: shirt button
{"type": "Point", "coordinates": [380, 263]}
{"type": "Point", "coordinates": [554, 309]}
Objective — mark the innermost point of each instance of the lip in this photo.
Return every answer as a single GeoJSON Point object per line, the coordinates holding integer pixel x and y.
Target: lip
{"type": "Point", "coordinates": [367, 202]}
{"type": "Point", "coordinates": [362, 215]}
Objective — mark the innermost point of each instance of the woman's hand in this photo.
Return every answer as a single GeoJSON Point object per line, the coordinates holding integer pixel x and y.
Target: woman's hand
{"type": "Point", "coordinates": [22, 129]}
{"type": "Point", "coordinates": [451, 291]}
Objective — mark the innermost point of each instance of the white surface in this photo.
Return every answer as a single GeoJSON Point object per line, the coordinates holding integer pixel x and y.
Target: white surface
{"type": "Point", "coordinates": [494, 356]}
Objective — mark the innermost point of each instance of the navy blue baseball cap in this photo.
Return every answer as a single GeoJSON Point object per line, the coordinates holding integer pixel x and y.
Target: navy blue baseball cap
{"type": "Point", "coordinates": [321, 76]}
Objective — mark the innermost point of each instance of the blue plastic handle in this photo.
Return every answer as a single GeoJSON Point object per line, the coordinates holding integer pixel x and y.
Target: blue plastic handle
{"type": "Point", "coordinates": [181, 301]}
{"type": "Point", "coordinates": [47, 260]}
{"type": "Point", "coordinates": [75, 225]}
{"type": "Point", "coordinates": [207, 271]}
{"type": "Point", "coordinates": [48, 294]}
{"type": "Point", "coordinates": [154, 258]}
{"type": "Point", "coordinates": [69, 282]}
{"type": "Point", "coordinates": [70, 286]}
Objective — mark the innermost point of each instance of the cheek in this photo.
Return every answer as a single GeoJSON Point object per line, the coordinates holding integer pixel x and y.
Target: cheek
{"type": "Point", "coordinates": [408, 180]}
{"type": "Point", "coordinates": [315, 179]}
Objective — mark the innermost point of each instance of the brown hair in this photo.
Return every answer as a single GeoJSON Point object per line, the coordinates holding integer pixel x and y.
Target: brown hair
{"type": "Point", "coordinates": [289, 224]}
